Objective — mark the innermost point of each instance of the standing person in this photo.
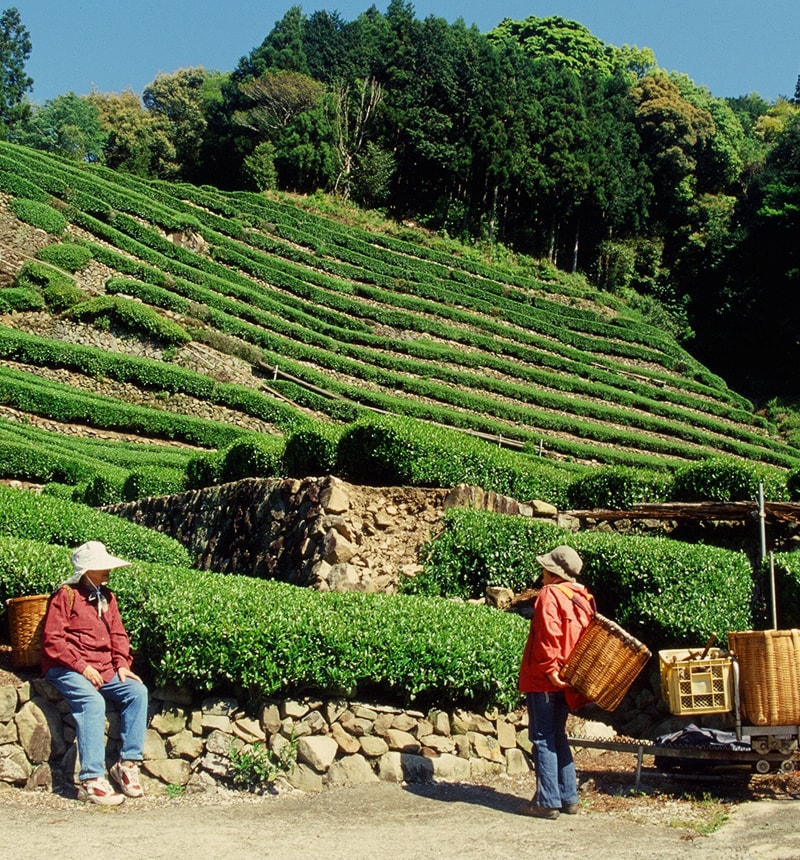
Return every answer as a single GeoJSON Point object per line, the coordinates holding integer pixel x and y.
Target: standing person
{"type": "Point", "coordinates": [562, 610]}
{"type": "Point", "coordinates": [86, 656]}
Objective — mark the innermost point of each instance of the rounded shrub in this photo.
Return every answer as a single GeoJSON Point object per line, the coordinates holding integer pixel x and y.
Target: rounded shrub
{"type": "Point", "coordinates": [142, 483]}
{"type": "Point", "coordinates": [39, 214]}
{"type": "Point", "coordinates": [65, 255]}
{"type": "Point", "coordinates": [256, 456]}
{"type": "Point", "coordinates": [311, 450]}
{"type": "Point", "coordinates": [618, 488]}
{"type": "Point", "coordinates": [727, 480]}
{"type": "Point", "coordinates": [102, 490]}
{"type": "Point", "coordinates": [204, 470]}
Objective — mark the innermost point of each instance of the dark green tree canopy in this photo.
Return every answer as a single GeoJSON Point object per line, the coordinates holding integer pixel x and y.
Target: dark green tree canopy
{"type": "Point", "coordinates": [15, 50]}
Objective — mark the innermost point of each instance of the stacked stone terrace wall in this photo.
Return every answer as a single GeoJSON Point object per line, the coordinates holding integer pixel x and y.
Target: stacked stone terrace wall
{"type": "Point", "coordinates": [337, 742]}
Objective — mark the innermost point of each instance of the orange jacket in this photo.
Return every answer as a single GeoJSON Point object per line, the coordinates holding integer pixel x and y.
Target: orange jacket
{"type": "Point", "coordinates": [555, 627]}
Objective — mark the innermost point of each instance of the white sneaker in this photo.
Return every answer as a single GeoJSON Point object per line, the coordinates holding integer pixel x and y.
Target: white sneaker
{"type": "Point", "coordinates": [99, 791]}
{"type": "Point", "coordinates": [126, 776]}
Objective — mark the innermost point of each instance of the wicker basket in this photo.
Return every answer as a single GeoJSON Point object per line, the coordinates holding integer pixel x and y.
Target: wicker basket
{"type": "Point", "coordinates": [769, 675]}
{"type": "Point", "coordinates": [605, 662]}
{"type": "Point", "coordinates": [25, 624]}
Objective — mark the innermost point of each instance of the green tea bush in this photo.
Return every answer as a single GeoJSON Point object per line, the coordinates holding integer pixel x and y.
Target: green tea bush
{"type": "Point", "coordinates": [617, 488]}
{"type": "Point", "coordinates": [153, 481]}
{"type": "Point", "coordinates": [132, 316]}
{"type": "Point", "coordinates": [255, 456]}
{"type": "Point", "coordinates": [406, 452]}
{"type": "Point", "coordinates": [311, 450]}
{"type": "Point", "coordinates": [38, 214]}
{"type": "Point", "coordinates": [49, 519]}
{"type": "Point", "coordinates": [20, 299]}
{"type": "Point", "coordinates": [477, 549]}
{"type": "Point", "coordinates": [667, 593]}
{"type": "Point", "coordinates": [49, 282]}
{"type": "Point", "coordinates": [258, 639]}
{"type": "Point", "coordinates": [204, 470]}
{"type": "Point", "coordinates": [25, 462]}
{"type": "Point", "coordinates": [787, 589]}
{"type": "Point", "coordinates": [66, 255]}
{"type": "Point", "coordinates": [99, 490]}
{"type": "Point", "coordinates": [726, 480]}
{"type": "Point", "coordinates": [792, 481]}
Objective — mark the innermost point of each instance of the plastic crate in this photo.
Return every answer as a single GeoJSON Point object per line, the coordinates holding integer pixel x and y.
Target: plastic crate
{"type": "Point", "coordinates": [691, 685]}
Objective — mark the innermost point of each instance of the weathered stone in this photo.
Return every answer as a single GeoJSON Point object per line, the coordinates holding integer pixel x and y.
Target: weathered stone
{"type": "Point", "coordinates": [337, 549]}
{"type": "Point", "coordinates": [382, 723]}
{"type": "Point", "coordinates": [506, 734]}
{"type": "Point", "coordinates": [499, 596]}
{"type": "Point", "coordinates": [373, 746]}
{"type": "Point", "coordinates": [185, 745]}
{"type": "Point", "coordinates": [221, 743]}
{"type": "Point", "coordinates": [480, 768]}
{"type": "Point", "coordinates": [248, 729]}
{"type": "Point", "coordinates": [334, 499]}
{"type": "Point", "coordinates": [517, 762]}
{"type": "Point", "coordinates": [543, 509]}
{"type": "Point", "coordinates": [465, 721]}
{"type": "Point", "coordinates": [404, 722]}
{"type": "Point", "coordinates": [316, 722]}
{"type": "Point", "coordinates": [344, 577]}
{"type": "Point", "coordinates": [172, 771]}
{"type": "Point", "coordinates": [351, 770]}
{"type": "Point", "coordinates": [8, 703]}
{"type": "Point", "coordinates": [216, 765]}
{"type": "Point", "coordinates": [304, 778]}
{"type": "Point", "coordinates": [347, 743]}
{"type": "Point", "coordinates": [363, 712]}
{"type": "Point", "coordinates": [523, 741]}
{"type": "Point", "coordinates": [196, 723]}
{"type": "Point", "coordinates": [221, 707]}
{"type": "Point", "coordinates": [319, 751]}
{"type": "Point", "coordinates": [401, 741]}
{"type": "Point", "coordinates": [40, 730]}
{"type": "Point", "coordinates": [14, 766]}
{"type": "Point", "coordinates": [154, 746]}
{"type": "Point", "coordinates": [439, 743]}
{"type": "Point", "coordinates": [334, 709]}
{"type": "Point", "coordinates": [271, 718]}
{"type": "Point", "coordinates": [169, 721]}
{"type": "Point", "coordinates": [440, 721]}
{"type": "Point", "coordinates": [8, 733]}
{"type": "Point", "coordinates": [293, 709]}
{"type": "Point", "coordinates": [486, 747]}
{"type": "Point", "coordinates": [404, 767]}
{"type": "Point", "coordinates": [451, 767]}
{"type": "Point", "coordinates": [41, 778]}
{"type": "Point", "coordinates": [217, 722]}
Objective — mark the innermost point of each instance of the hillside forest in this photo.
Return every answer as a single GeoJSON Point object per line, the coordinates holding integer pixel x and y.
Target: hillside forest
{"type": "Point", "coordinates": [535, 137]}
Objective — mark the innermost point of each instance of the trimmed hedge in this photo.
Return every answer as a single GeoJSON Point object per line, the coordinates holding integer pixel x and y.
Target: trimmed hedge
{"type": "Point", "coordinates": [617, 488]}
{"type": "Point", "coordinates": [66, 255]}
{"type": "Point", "coordinates": [49, 519]}
{"type": "Point", "coordinates": [787, 589]}
{"type": "Point", "coordinates": [209, 632]}
{"type": "Point", "coordinates": [406, 452]}
{"type": "Point", "coordinates": [667, 593]}
{"type": "Point", "coordinates": [38, 214]}
{"type": "Point", "coordinates": [725, 480]}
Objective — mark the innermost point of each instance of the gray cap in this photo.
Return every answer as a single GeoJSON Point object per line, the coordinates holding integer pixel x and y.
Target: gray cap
{"type": "Point", "coordinates": [563, 561]}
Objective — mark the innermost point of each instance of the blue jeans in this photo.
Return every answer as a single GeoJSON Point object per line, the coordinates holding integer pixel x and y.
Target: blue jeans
{"type": "Point", "coordinates": [87, 705]}
{"type": "Point", "coordinates": [556, 780]}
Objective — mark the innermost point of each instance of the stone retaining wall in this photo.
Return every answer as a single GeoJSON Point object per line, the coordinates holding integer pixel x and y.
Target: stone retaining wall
{"type": "Point", "coordinates": [336, 742]}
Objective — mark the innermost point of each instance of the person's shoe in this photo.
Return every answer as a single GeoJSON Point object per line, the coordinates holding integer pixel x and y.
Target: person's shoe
{"type": "Point", "coordinates": [99, 791]}
{"type": "Point", "coordinates": [126, 776]}
{"type": "Point", "coordinates": [571, 808]}
{"type": "Point", "coordinates": [533, 810]}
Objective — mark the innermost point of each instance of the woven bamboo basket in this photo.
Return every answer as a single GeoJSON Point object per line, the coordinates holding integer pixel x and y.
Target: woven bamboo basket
{"type": "Point", "coordinates": [769, 675]}
{"type": "Point", "coordinates": [605, 662]}
{"type": "Point", "coordinates": [25, 625]}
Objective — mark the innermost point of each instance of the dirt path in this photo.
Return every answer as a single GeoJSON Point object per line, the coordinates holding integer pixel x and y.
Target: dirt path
{"type": "Point", "coordinates": [451, 822]}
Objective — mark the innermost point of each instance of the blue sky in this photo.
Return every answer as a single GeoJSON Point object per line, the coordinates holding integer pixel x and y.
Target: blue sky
{"type": "Point", "coordinates": [733, 47]}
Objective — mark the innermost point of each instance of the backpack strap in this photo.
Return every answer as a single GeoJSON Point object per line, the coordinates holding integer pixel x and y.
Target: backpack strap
{"type": "Point", "coordinates": [588, 606]}
{"type": "Point", "coordinates": [70, 591]}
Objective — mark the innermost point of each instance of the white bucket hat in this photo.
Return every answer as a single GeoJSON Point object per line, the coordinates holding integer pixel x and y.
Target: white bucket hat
{"type": "Point", "coordinates": [92, 555]}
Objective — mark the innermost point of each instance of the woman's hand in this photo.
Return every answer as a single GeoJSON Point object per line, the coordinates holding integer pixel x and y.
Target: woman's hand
{"type": "Point", "coordinates": [124, 672]}
{"type": "Point", "coordinates": [555, 679]}
{"type": "Point", "coordinates": [93, 676]}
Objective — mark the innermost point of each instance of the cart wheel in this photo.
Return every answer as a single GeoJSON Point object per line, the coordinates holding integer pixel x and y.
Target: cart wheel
{"type": "Point", "coordinates": [760, 744]}
{"type": "Point", "coordinates": [787, 766]}
{"type": "Point", "coordinates": [762, 765]}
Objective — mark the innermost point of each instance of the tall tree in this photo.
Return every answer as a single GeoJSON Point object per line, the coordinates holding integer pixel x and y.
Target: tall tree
{"type": "Point", "coordinates": [68, 125]}
{"type": "Point", "coordinates": [15, 50]}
